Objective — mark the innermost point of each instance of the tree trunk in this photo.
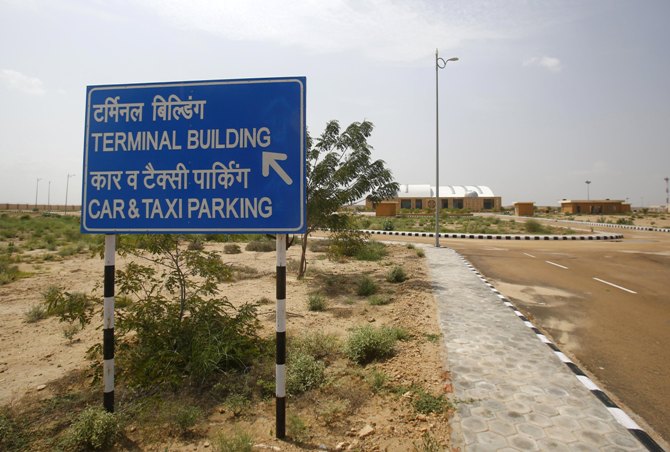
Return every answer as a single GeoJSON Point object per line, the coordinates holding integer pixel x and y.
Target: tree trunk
{"type": "Point", "coordinates": [303, 259]}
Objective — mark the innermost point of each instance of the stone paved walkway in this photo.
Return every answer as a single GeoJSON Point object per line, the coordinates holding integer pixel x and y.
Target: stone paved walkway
{"type": "Point", "coordinates": [512, 391]}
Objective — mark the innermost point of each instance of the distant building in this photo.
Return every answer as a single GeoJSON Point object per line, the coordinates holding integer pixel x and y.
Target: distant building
{"type": "Point", "coordinates": [595, 206]}
{"type": "Point", "coordinates": [524, 209]}
{"type": "Point", "coordinates": [476, 198]}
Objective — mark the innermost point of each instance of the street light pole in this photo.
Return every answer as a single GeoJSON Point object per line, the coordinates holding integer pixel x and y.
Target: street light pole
{"type": "Point", "coordinates": [49, 198]}
{"type": "Point", "coordinates": [439, 64]}
{"type": "Point", "coordinates": [588, 195]}
{"type": "Point", "coordinates": [37, 188]}
{"type": "Point", "coordinates": [67, 185]}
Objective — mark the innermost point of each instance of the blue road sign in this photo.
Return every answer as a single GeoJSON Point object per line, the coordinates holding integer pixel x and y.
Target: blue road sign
{"type": "Point", "coordinates": [224, 156]}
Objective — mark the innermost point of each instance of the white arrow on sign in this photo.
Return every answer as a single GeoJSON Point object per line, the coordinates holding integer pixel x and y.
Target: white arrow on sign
{"type": "Point", "coordinates": [270, 160]}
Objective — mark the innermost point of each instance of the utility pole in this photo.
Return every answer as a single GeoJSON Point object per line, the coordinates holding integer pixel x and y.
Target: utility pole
{"type": "Point", "coordinates": [667, 195]}
{"type": "Point", "coordinates": [67, 185]}
{"type": "Point", "coordinates": [440, 63]}
{"type": "Point", "coordinates": [37, 188]}
{"type": "Point", "coordinates": [49, 198]}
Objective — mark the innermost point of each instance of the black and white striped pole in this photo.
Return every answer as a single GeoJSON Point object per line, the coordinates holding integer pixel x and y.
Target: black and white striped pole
{"type": "Point", "coordinates": [280, 369]}
{"type": "Point", "coordinates": [108, 325]}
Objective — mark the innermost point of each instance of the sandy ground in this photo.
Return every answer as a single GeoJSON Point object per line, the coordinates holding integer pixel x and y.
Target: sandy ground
{"type": "Point", "coordinates": [34, 354]}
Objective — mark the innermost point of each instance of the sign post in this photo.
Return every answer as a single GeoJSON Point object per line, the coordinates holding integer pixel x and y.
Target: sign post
{"type": "Point", "coordinates": [221, 156]}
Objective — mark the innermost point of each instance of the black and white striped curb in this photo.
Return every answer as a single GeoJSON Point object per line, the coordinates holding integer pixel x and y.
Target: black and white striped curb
{"type": "Point", "coordinates": [454, 235]}
{"type": "Point", "coordinates": [618, 414]}
{"type": "Point", "coordinates": [613, 225]}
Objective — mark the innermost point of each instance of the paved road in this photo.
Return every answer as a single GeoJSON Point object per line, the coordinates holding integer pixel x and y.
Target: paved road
{"type": "Point", "coordinates": [512, 391]}
{"type": "Point", "coordinates": [617, 326]}
{"type": "Point", "coordinates": [620, 338]}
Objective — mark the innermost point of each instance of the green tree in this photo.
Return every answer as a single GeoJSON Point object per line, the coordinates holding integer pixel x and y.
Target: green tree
{"type": "Point", "coordinates": [340, 171]}
{"type": "Point", "coordinates": [179, 328]}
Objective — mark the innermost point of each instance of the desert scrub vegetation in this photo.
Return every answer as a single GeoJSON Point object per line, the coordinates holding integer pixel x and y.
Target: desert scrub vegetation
{"type": "Point", "coordinates": [178, 330]}
{"type": "Point", "coordinates": [366, 286]}
{"type": "Point", "coordinates": [8, 271]}
{"type": "Point", "coordinates": [450, 222]}
{"type": "Point", "coordinates": [318, 345]}
{"type": "Point", "coordinates": [426, 403]}
{"type": "Point", "coordinates": [303, 372]}
{"type": "Point", "coordinates": [316, 302]}
{"type": "Point", "coordinates": [12, 436]}
{"type": "Point", "coordinates": [535, 227]}
{"type": "Point", "coordinates": [319, 246]}
{"type": "Point", "coordinates": [355, 244]}
{"type": "Point", "coordinates": [366, 344]}
{"type": "Point", "coordinates": [396, 275]}
{"type": "Point", "coordinates": [379, 300]}
{"type": "Point", "coordinates": [59, 233]}
{"type": "Point", "coordinates": [93, 428]}
{"type": "Point", "coordinates": [35, 313]}
{"type": "Point", "coordinates": [68, 306]}
{"type": "Point", "coordinates": [231, 248]}
{"type": "Point", "coordinates": [238, 441]}
{"type": "Point", "coordinates": [263, 246]}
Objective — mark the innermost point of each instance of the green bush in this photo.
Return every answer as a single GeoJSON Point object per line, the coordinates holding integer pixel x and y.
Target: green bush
{"type": "Point", "coordinates": [396, 275]}
{"type": "Point", "coordinates": [428, 444]}
{"type": "Point", "coordinates": [426, 403]}
{"type": "Point", "coordinates": [166, 350]}
{"type": "Point", "coordinates": [296, 428]}
{"type": "Point", "coordinates": [346, 243]}
{"type": "Point", "coordinates": [196, 244]}
{"type": "Point", "coordinates": [231, 248]}
{"type": "Point", "coordinates": [318, 345]}
{"type": "Point", "coordinates": [319, 246]}
{"type": "Point", "coordinates": [316, 302]}
{"type": "Point", "coordinates": [379, 300]}
{"type": "Point", "coordinates": [12, 438]}
{"type": "Point", "coordinates": [180, 330]}
{"type": "Point", "coordinates": [377, 380]}
{"type": "Point", "coordinates": [72, 249]}
{"type": "Point", "coordinates": [67, 306]}
{"type": "Point", "coordinates": [420, 252]}
{"type": "Point", "coordinates": [8, 271]}
{"type": "Point", "coordinates": [93, 428]}
{"type": "Point", "coordinates": [372, 251]}
{"type": "Point", "coordinates": [70, 331]}
{"type": "Point", "coordinates": [366, 344]}
{"type": "Point", "coordinates": [388, 225]}
{"type": "Point", "coordinates": [366, 286]}
{"type": "Point", "coordinates": [263, 246]}
{"type": "Point", "coordinates": [36, 313]}
{"type": "Point", "coordinates": [237, 442]}
{"type": "Point", "coordinates": [303, 373]}
{"type": "Point", "coordinates": [237, 403]}
{"type": "Point", "coordinates": [534, 227]}
{"type": "Point", "coordinates": [399, 333]}
{"type": "Point", "coordinates": [185, 417]}
{"type": "Point", "coordinates": [122, 301]}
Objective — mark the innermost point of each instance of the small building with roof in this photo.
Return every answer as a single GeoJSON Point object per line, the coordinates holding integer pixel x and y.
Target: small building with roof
{"type": "Point", "coordinates": [476, 198]}
{"type": "Point", "coordinates": [594, 206]}
{"type": "Point", "coordinates": [524, 208]}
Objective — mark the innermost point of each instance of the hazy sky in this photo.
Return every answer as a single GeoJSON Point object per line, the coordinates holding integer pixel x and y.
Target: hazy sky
{"type": "Point", "coordinates": [546, 95]}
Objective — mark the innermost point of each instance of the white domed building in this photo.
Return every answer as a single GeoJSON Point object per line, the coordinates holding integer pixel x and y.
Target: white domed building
{"type": "Point", "coordinates": [475, 198]}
